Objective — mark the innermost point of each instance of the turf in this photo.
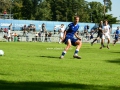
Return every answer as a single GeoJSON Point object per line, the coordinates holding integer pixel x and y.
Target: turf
{"type": "Point", "coordinates": [36, 66]}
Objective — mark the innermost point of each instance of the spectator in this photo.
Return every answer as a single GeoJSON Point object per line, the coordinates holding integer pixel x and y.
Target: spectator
{"type": "Point", "coordinates": [5, 30]}
{"type": "Point", "coordinates": [9, 32]}
{"type": "Point", "coordinates": [54, 29]}
{"type": "Point", "coordinates": [24, 30]}
{"type": "Point", "coordinates": [1, 30]}
{"type": "Point", "coordinates": [12, 36]}
{"type": "Point", "coordinates": [61, 32]}
{"type": "Point", "coordinates": [87, 28]}
{"type": "Point", "coordinates": [39, 36]}
{"type": "Point", "coordinates": [43, 30]}
{"type": "Point", "coordinates": [27, 36]}
{"type": "Point", "coordinates": [46, 36]}
{"type": "Point", "coordinates": [49, 36]}
{"type": "Point", "coordinates": [5, 12]}
{"type": "Point", "coordinates": [15, 37]}
{"type": "Point", "coordinates": [36, 36]}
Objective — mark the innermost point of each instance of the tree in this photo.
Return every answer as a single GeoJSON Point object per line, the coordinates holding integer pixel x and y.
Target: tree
{"type": "Point", "coordinates": [17, 9]}
{"type": "Point", "coordinates": [96, 10]}
{"type": "Point", "coordinates": [43, 11]}
{"type": "Point", "coordinates": [111, 19]}
{"type": "Point", "coordinates": [5, 5]}
{"type": "Point", "coordinates": [27, 9]}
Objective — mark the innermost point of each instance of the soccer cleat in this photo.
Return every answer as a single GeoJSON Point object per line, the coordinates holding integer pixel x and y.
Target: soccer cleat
{"type": "Point", "coordinates": [61, 57]}
{"type": "Point", "coordinates": [108, 47]}
{"type": "Point", "coordinates": [76, 56]}
{"type": "Point", "coordinates": [91, 43]}
{"type": "Point", "coordinates": [104, 46]}
{"type": "Point", "coordinates": [100, 47]}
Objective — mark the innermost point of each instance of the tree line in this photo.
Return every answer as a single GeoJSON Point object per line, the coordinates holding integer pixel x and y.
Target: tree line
{"type": "Point", "coordinates": [58, 10]}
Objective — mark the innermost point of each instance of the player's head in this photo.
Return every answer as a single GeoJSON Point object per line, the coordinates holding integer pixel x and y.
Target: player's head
{"type": "Point", "coordinates": [101, 22]}
{"type": "Point", "coordinates": [118, 27]}
{"type": "Point", "coordinates": [105, 22]}
{"type": "Point", "coordinates": [76, 19]}
{"type": "Point", "coordinates": [62, 25]}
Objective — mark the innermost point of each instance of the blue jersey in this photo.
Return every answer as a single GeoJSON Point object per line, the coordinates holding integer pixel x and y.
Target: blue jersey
{"type": "Point", "coordinates": [117, 33]}
{"type": "Point", "coordinates": [71, 30]}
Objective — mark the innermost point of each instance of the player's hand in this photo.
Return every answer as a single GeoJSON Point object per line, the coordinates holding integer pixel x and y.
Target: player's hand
{"type": "Point", "coordinates": [79, 39]}
{"type": "Point", "coordinates": [63, 40]}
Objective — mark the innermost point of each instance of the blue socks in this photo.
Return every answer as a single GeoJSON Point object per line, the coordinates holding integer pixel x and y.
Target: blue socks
{"type": "Point", "coordinates": [63, 53]}
{"type": "Point", "coordinates": [76, 52]}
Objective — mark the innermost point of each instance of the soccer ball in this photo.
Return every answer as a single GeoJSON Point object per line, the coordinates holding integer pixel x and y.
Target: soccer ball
{"type": "Point", "coordinates": [1, 52]}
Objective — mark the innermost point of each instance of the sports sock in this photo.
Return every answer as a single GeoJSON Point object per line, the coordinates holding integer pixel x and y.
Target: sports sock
{"type": "Point", "coordinates": [102, 44]}
{"type": "Point", "coordinates": [76, 52]}
{"type": "Point", "coordinates": [63, 53]}
{"type": "Point", "coordinates": [94, 40]}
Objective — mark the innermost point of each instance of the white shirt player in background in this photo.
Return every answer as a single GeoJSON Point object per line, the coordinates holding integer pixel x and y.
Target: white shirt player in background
{"type": "Point", "coordinates": [9, 32]}
{"type": "Point", "coordinates": [106, 34]}
{"type": "Point", "coordinates": [61, 30]}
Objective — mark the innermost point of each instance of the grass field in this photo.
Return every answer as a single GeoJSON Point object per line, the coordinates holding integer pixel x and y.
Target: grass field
{"type": "Point", "coordinates": [36, 66]}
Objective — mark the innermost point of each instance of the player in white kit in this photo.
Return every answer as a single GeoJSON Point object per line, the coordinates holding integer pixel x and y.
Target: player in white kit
{"type": "Point", "coordinates": [106, 34]}
{"type": "Point", "coordinates": [62, 29]}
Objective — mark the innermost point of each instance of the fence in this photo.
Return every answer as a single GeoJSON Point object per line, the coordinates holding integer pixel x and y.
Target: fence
{"type": "Point", "coordinates": [53, 38]}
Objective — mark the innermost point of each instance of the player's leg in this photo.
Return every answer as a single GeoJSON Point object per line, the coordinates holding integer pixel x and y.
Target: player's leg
{"type": "Point", "coordinates": [116, 39]}
{"type": "Point", "coordinates": [108, 37]}
{"type": "Point", "coordinates": [102, 41]}
{"type": "Point", "coordinates": [60, 39]}
{"type": "Point", "coordinates": [78, 44]}
{"type": "Point", "coordinates": [66, 49]}
{"type": "Point", "coordinates": [94, 40]}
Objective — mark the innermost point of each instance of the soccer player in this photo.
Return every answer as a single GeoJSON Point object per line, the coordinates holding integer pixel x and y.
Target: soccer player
{"type": "Point", "coordinates": [69, 39]}
{"type": "Point", "coordinates": [106, 34]}
{"type": "Point", "coordinates": [100, 32]}
{"type": "Point", "coordinates": [61, 32]}
{"type": "Point", "coordinates": [9, 32]}
{"type": "Point", "coordinates": [117, 32]}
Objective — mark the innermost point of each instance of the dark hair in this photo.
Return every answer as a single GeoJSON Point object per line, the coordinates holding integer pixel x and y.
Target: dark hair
{"type": "Point", "coordinates": [105, 20]}
{"type": "Point", "coordinates": [76, 17]}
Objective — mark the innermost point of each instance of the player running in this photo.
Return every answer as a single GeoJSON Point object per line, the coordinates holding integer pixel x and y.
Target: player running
{"type": "Point", "coordinates": [69, 39]}
{"type": "Point", "coordinates": [106, 34]}
{"type": "Point", "coordinates": [117, 32]}
{"type": "Point", "coordinates": [100, 33]}
{"type": "Point", "coordinates": [61, 30]}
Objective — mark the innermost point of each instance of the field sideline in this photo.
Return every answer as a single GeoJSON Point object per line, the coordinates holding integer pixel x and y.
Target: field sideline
{"type": "Point", "coordinates": [35, 65]}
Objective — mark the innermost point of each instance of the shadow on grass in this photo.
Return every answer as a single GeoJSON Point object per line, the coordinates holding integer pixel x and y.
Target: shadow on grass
{"type": "Point", "coordinates": [4, 85]}
{"type": "Point", "coordinates": [115, 52]}
{"type": "Point", "coordinates": [117, 61]}
{"type": "Point", "coordinates": [49, 57]}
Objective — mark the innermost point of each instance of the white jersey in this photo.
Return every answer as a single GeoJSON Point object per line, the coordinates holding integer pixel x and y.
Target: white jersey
{"type": "Point", "coordinates": [62, 31]}
{"type": "Point", "coordinates": [106, 29]}
{"type": "Point", "coordinates": [9, 33]}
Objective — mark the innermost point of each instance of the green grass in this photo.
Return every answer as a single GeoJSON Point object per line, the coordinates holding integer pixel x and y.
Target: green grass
{"type": "Point", "coordinates": [36, 66]}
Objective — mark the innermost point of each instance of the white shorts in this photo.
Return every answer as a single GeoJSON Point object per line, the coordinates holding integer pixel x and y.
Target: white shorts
{"type": "Point", "coordinates": [61, 35]}
{"type": "Point", "coordinates": [106, 36]}
{"type": "Point", "coordinates": [9, 33]}
{"type": "Point", "coordinates": [42, 34]}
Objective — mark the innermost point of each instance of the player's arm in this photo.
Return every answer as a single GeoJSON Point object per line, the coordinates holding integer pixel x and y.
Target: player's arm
{"type": "Point", "coordinates": [64, 35]}
{"type": "Point", "coordinates": [76, 35]}
{"type": "Point", "coordinates": [110, 29]}
{"type": "Point", "coordinates": [103, 30]}
{"type": "Point", "coordinates": [65, 31]}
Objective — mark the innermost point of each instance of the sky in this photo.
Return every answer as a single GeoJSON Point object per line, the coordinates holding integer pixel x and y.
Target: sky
{"type": "Point", "coordinates": [115, 7]}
